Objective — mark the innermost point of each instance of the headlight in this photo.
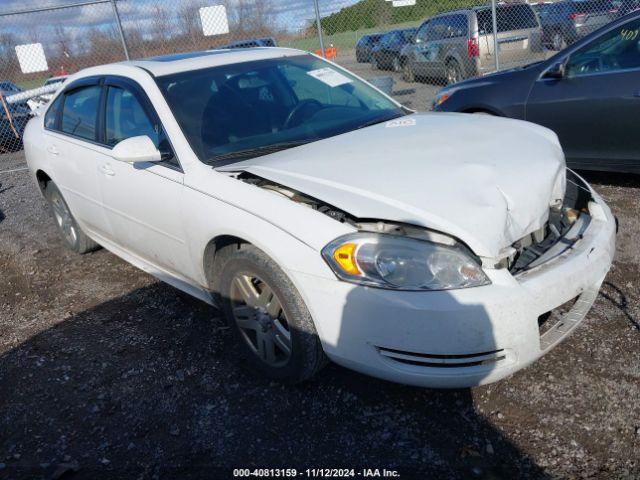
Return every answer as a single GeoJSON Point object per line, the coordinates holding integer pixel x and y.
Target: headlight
{"type": "Point", "coordinates": [441, 98]}
{"type": "Point", "coordinates": [402, 263]}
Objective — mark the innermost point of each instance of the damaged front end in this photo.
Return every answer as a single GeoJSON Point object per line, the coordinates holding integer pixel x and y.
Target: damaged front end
{"type": "Point", "coordinates": [566, 226]}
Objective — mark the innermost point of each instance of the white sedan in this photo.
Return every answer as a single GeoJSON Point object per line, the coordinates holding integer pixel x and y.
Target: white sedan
{"type": "Point", "coordinates": [323, 218]}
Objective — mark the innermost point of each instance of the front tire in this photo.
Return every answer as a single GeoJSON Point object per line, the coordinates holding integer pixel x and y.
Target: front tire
{"type": "Point", "coordinates": [72, 235]}
{"type": "Point", "coordinates": [269, 317]}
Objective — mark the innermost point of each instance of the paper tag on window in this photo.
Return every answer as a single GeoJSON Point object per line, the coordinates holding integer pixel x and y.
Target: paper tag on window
{"type": "Point", "coordinates": [329, 76]}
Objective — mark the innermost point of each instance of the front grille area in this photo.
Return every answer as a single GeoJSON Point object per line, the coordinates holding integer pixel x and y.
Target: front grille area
{"type": "Point", "coordinates": [550, 319]}
{"type": "Point", "coordinates": [443, 361]}
{"type": "Point", "coordinates": [556, 324]}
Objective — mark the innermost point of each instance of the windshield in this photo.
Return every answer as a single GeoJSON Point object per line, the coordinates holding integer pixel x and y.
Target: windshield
{"type": "Point", "coordinates": [239, 111]}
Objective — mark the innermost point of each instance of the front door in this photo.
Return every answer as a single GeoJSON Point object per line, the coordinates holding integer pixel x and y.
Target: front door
{"type": "Point", "coordinates": [142, 201]}
{"type": "Point", "coordinates": [594, 108]}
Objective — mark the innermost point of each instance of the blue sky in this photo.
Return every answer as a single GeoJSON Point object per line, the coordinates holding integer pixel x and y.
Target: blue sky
{"type": "Point", "coordinates": [288, 11]}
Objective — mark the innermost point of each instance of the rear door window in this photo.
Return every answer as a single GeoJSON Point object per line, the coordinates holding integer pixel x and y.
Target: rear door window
{"type": "Point", "coordinates": [51, 117]}
{"type": "Point", "coordinates": [457, 26]}
{"type": "Point", "coordinates": [80, 112]}
{"type": "Point", "coordinates": [438, 29]}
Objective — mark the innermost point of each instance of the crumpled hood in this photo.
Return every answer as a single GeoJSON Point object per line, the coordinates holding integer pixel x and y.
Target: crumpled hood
{"type": "Point", "coordinates": [488, 181]}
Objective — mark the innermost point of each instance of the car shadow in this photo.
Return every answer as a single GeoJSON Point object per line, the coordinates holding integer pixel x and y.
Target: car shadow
{"type": "Point", "coordinates": [149, 385]}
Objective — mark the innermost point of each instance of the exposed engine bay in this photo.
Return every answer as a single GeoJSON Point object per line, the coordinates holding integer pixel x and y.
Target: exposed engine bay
{"type": "Point", "coordinates": [566, 224]}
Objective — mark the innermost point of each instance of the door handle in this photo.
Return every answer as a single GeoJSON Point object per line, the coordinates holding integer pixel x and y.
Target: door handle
{"type": "Point", "coordinates": [53, 150]}
{"type": "Point", "coordinates": [637, 94]}
{"type": "Point", "coordinates": [106, 169]}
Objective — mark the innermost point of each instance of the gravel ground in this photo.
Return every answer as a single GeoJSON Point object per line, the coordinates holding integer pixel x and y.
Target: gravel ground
{"type": "Point", "coordinates": [107, 373]}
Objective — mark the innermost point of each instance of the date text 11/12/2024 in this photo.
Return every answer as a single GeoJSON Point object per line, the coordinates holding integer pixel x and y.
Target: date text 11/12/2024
{"type": "Point", "coordinates": [316, 473]}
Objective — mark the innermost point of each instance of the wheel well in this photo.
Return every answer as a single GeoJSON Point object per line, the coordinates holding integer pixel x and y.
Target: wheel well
{"type": "Point", "coordinates": [449, 60]}
{"type": "Point", "coordinates": [43, 179]}
{"type": "Point", "coordinates": [210, 254]}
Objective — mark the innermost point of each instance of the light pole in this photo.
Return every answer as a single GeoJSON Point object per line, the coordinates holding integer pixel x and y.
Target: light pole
{"type": "Point", "coordinates": [319, 26]}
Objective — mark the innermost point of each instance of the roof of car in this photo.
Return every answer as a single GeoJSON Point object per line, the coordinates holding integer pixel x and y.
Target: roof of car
{"type": "Point", "coordinates": [168, 64]}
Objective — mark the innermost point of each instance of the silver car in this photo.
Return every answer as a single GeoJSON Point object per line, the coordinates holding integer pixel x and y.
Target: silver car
{"type": "Point", "coordinates": [460, 44]}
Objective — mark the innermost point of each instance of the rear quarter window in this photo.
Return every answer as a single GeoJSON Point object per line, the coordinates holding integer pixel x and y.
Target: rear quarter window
{"type": "Point", "coordinates": [51, 116]}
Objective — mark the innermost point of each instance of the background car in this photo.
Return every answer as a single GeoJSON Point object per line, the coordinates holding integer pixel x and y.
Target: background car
{"type": "Point", "coordinates": [249, 43]}
{"type": "Point", "coordinates": [567, 21]}
{"type": "Point", "coordinates": [459, 44]}
{"type": "Point", "coordinates": [624, 7]}
{"type": "Point", "coordinates": [11, 129]}
{"type": "Point", "coordinates": [386, 54]}
{"type": "Point", "coordinates": [37, 102]}
{"type": "Point", "coordinates": [9, 88]}
{"type": "Point", "coordinates": [588, 94]}
{"type": "Point", "coordinates": [12, 124]}
{"type": "Point", "coordinates": [365, 45]}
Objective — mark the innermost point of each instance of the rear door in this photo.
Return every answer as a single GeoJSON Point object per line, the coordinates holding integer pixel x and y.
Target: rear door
{"type": "Point", "coordinates": [453, 44]}
{"type": "Point", "coordinates": [430, 51]}
{"type": "Point", "coordinates": [419, 58]}
{"type": "Point", "coordinates": [71, 143]}
{"type": "Point", "coordinates": [594, 109]}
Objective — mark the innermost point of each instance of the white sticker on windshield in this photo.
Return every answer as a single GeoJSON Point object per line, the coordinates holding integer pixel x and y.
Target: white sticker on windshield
{"type": "Point", "coordinates": [401, 122]}
{"type": "Point", "coordinates": [329, 76]}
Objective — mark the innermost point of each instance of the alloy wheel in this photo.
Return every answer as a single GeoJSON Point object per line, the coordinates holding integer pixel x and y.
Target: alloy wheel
{"type": "Point", "coordinates": [262, 321]}
{"type": "Point", "coordinates": [407, 73]}
{"type": "Point", "coordinates": [558, 42]}
{"type": "Point", "coordinates": [64, 219]}
{"type": "Point", "coordinates": [453, 75]}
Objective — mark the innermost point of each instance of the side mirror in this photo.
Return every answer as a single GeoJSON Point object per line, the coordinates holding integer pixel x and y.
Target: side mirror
{"type": "Point", "coordinates": [557, 71]}
{"type": "Point", "coordinates": [136, 149]}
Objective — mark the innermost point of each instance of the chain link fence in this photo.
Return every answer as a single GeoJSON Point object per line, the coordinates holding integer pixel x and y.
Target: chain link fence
{"type": "Point", "coordinates": [409, 48]}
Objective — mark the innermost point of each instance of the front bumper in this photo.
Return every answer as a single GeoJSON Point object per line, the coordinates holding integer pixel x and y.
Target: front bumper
{"type": "Point", "coordinates": [460, 338]}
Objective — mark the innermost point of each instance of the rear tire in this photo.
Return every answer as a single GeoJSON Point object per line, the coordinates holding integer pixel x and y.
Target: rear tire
{"type": "Point", "coordinates": [396, 65]}
{"type": "Point", "coordinates": [271, 321]}
{"type": "Point", "coordinates": [454, 73]}
{"type": "Point", "coordinates": [407, 73]}
{"type": "Point", "coordinates": [72, 235]}
{"type": "Point", "coordinates": [558, 42]}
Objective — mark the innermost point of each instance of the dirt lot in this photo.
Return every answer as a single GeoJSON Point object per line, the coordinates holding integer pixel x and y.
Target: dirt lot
{"type": "Point", "coordinates": [106, 373]}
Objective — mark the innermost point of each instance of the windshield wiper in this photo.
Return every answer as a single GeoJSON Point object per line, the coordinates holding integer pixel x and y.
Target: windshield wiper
{"type": "Point", "coordinates": [255, 152]}
{"type": "Point", "coordinates": [376, 121]}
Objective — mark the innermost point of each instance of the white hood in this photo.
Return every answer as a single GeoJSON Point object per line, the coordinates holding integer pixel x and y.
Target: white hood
{"type": "Point", "coordinates": [487, 181]}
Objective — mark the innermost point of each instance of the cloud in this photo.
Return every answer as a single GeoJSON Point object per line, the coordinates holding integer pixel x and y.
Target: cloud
{"type": "Point", "coordinates": [76, 23]}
